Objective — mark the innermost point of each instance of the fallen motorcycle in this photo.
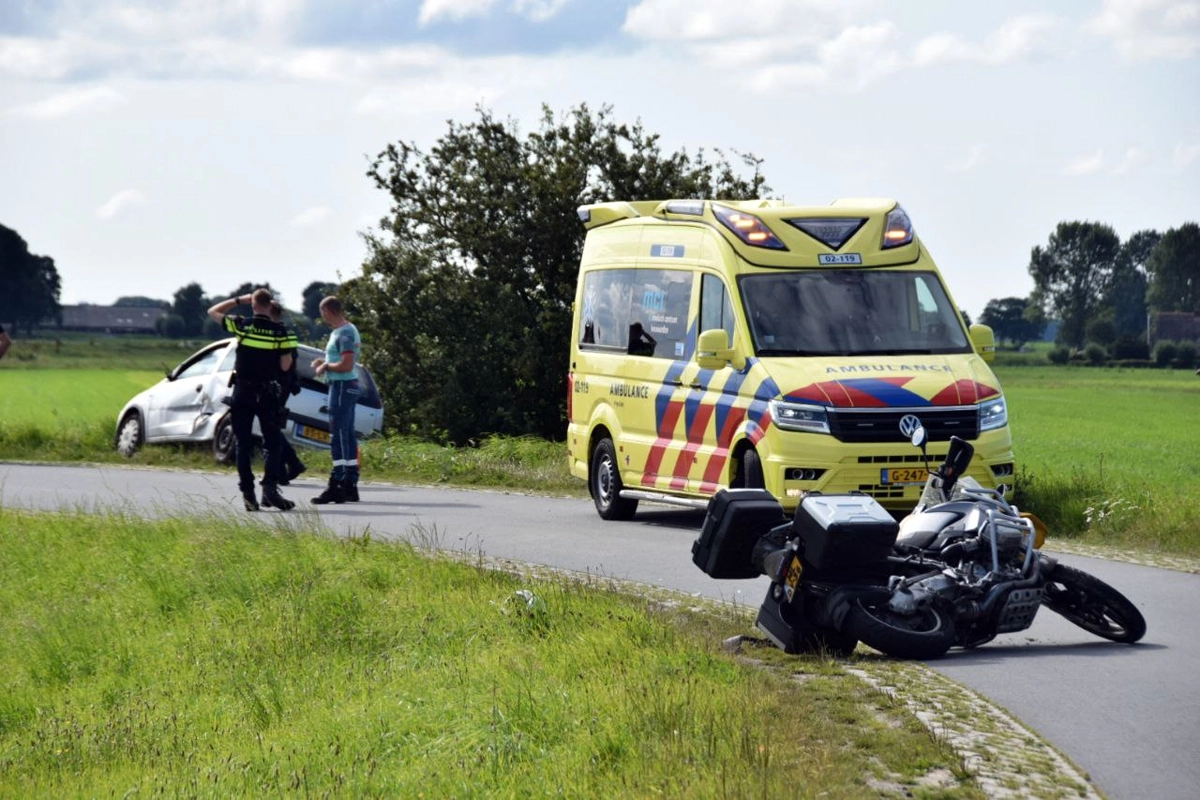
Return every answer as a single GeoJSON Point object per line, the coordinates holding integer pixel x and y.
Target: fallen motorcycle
{"type": "Point", "coordinates": [962, 568]}
{"type": "Point", "coordinates": [968, 547]}
{"type": "Point", "coordinates": [831, 573]}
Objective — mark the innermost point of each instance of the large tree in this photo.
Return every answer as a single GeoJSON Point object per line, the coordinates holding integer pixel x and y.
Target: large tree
{"type": "Point", "coordinates": [29, 284]}
{"type": "Point", "coordinates": [1072, 274]}
{"type": "Point", "coordinates": [313, 294]}
{"type": "Point", "coordinates": [1174, 268]}
{"type": "Point", "coordinates": [191, 306]}
{"type": "Point", "coordinates": [1009, 318]}
{"type": "Point", "coordinates": [1127, 290]}
{"type": "Point", "coordinates": [465, 296]}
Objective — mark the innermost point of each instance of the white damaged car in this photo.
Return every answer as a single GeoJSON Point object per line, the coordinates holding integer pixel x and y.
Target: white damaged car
{"type": "Point", "coordinates": [186, 407]}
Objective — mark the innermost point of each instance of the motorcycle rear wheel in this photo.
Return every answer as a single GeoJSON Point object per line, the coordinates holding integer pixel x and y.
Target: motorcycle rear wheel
{"type": "Point", "coordinates": [927, 633]}
{"type": "Point", "coordinates": [1093, 605]}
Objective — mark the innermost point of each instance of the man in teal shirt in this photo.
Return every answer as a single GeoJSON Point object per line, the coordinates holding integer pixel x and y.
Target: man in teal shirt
{"type": "Point", "coordinates": [340, 368]}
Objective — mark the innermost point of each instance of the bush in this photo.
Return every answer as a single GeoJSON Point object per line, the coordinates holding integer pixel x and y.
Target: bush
{"type": "Point", "coordinates": [1059, 355]}
{"type": "Point", "coordinates": [1164, 353]}
{"type": "Point", "coordinates": [1130, 347]}
{"type": "Point", "coordinates": [1185, 355]}
{"type": "Point", "coordinates": [1095, 354]}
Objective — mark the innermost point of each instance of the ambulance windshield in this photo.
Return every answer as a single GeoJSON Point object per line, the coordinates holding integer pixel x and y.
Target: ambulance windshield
{"type": "Point", "coordinates": [851, 312]}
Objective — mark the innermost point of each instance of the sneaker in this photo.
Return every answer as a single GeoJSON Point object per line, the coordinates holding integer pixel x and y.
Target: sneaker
{"type": "Point", "coordinates": [271, 498]}
{"type": "Point", "coordinates": [250, 500]}
{"type": "Point", "coordinates": [334, 493]}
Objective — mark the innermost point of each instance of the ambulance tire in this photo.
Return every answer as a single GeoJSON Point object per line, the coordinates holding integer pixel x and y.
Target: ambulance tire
{"type": "Point", "coordinates": [750, 473]}
{"type": "Point", "coordinates": [605, 484]}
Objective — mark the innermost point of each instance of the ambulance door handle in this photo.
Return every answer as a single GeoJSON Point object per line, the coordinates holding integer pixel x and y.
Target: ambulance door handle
{"type": "Point", "coordinates": [696, 385]}
{"type": "Point", "coordinates": [675, 382]}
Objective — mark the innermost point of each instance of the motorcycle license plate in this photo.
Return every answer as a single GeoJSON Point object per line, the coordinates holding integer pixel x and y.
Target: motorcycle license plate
{"type": "Point", "coordinates": [903, 475]}
{"type": "Point", "coordinates": [314, 434]}
{"type": "Point", "coordinates": [793, 578]}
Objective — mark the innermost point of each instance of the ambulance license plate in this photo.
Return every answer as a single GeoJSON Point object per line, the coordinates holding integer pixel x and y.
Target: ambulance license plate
{"type": "Point", "coordinates": [903, 475]}
{"type": "Point", "coordinates": [311, 433]}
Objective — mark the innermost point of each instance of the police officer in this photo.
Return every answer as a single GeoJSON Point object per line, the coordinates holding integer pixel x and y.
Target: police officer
{"type": "Point", "coordinates": [264, 355]}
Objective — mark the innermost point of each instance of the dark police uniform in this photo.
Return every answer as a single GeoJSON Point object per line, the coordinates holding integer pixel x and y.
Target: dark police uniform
{"type": "Point", "coordinates": [258, 391]}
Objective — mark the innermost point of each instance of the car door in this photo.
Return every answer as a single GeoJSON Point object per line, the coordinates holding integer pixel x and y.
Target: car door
{"type": "Point", "coordinates": [188, 394]}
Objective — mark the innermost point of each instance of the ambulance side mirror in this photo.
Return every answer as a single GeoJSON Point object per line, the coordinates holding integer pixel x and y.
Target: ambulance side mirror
{"type": "Point", "coordinates": [713, 351]}
{"type": "Point", "coordinates": [984, 341]}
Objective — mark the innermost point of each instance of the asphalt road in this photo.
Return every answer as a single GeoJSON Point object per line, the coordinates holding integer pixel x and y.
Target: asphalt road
{"type": "Point", "coordinates": [1128, 716]}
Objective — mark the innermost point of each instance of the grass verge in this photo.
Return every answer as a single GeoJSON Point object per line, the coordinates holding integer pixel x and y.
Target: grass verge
{"type": "Point", "coordinates": [229, 658]}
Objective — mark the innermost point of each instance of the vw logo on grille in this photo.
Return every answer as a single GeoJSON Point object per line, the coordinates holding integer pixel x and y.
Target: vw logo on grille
{"type": "Point", "coordinates": [909, 424]}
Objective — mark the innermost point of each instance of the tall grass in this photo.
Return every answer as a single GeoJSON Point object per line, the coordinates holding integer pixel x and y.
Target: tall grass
{"type": "Point", "coordinates": [217, 657]}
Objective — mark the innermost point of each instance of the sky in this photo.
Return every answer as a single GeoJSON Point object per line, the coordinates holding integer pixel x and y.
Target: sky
{"type": "Point", "coordinates": [149, 144]}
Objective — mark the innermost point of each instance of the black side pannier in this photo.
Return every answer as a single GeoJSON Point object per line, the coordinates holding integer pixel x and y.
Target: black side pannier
{"type": "Point", "coordinates": [735, 521]}
{"type": "Point", "coordinates": [844, 530]}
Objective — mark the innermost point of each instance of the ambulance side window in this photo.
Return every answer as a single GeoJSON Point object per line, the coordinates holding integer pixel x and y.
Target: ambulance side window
{"type": "Point", "coordinates": [641, 312]}
{"type": "Point", "coordinates": [715, 309]}
{"type": "Point", "coordinates": [658, 314]}
{"type": "Point", "coordinates": [604, 323]}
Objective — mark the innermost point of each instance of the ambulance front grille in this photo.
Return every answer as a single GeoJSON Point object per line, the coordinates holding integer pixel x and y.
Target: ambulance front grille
{"type": "Point", "coordinates": [883, 425]}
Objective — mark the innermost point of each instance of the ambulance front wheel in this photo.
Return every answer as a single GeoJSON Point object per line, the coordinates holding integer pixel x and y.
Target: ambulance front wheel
{"type": "Point", "coordinates": [750, 472]}
{"type": "Point", "coordinates": [606, 484]}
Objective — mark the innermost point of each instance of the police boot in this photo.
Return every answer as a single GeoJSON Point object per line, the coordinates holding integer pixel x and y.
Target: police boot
{"type": "Point", "coordinates": [351, 491]}
{"type": "Point", "coordinates": [250, 500]}
{"type": "Point", "coordinates": [271, 498]}
{"type": "Point", "coordinates": [335, 492]}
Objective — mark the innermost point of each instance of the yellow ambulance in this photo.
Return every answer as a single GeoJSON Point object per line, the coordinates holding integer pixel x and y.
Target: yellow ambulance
{"type": "Point", "coordinates": [764, 345]}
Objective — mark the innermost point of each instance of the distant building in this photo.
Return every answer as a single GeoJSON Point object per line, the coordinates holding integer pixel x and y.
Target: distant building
{"type": "Point", "coordinates": [109, 319]}
{"type": "Point", "coordinates": [1176, 326]}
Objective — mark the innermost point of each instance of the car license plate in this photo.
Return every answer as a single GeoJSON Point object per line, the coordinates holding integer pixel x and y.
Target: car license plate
{"type": "Point", "coordinates": [314, 434]}
{"type": "Point", "coordinates": [793, 577]}
{"type": "Point", "coordinates": [903, 475]}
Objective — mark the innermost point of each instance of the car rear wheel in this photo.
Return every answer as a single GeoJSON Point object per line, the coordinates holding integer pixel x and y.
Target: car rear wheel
{"type": "Point", "coordinates": [130, 434]}
{"type": "Point", "coordinates": [223, 442]}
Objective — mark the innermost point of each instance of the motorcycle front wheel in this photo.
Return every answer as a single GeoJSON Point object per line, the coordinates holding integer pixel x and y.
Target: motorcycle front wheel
{"type": "Point", "coordinates": [924, 634]}
{"type": "Point", "coordinates": [1093, 605]}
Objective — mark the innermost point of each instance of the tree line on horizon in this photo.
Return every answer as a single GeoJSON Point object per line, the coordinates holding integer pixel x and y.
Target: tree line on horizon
{"type": "Point", "coordinates": [464, 300]}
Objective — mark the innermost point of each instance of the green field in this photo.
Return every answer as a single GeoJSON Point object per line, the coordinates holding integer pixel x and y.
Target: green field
{"type": "Point", "coordinates": [1104, 454]}
{"type": "Point", "coordinates": [69, 397]}
{"type": "Point", "coordinates": [1109, 454]}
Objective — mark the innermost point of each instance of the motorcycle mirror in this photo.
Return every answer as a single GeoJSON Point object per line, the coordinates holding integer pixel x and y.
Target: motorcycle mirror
{"type": "Point", "coordinates": [919, 437]}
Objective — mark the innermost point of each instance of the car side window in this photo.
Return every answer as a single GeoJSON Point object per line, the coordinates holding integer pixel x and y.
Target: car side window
{"type": "Point", "coordinates": [204, 365]}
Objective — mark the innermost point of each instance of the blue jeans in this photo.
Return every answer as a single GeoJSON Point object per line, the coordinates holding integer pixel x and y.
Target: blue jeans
{"type": "Point", "coordinates": [343, 443]}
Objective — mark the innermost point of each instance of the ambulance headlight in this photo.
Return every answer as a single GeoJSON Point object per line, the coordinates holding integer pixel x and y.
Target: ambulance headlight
{"type": "Point", "coordinates": [799, 417]}
{"type": "Point", "coordinates": [993, 414]}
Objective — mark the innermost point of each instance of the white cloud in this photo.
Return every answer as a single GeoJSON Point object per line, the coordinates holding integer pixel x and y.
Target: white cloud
{"type": "Point", "coordinates": [119, 203]}
{"type": "Point", "coordinates": [1086, 164]}
{"type": "Point", "coordinates": [1141, 30]}
{"type": "Point", "coordinates": [443, 97]}
{"type": "Point", "coordinates": [805, 22]}
{"type": "Point", "coordinates": [53, 59]}
{"type": "Point", "coordinates": [453, 10]}
{"type": "Point", "coordinates": [1134, 158]}
{"type": "Point", "coordinates": [970, 161]}
{"type": "Point", "coordinates": [856, 58]}
{"type": "Point", "coordinates": [1017, 39]}
{"type": "Point", "coordinates": [311, 216]}
{"type": "Point", "coordinates": [1185, 155]}
{"type": "Point", "coordinates": [539, 10]}
{"type": "Point", "coordinates": [70, 102]}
